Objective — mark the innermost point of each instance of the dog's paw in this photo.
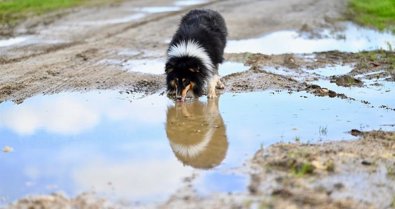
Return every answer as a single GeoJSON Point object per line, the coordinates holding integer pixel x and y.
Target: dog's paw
{"type": "Point", "coordinates": [211, 95]}
{"type": "Point", "coordinates": [220, 85]}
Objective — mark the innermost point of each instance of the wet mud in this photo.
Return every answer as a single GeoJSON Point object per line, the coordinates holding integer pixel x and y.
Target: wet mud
{"type": "Point", "coordinates": [331, 174]}
{"type": "Point", "coordinates": [256, 146]}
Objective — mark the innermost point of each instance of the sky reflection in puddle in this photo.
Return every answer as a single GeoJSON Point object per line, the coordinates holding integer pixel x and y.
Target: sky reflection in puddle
{"type": "Point", "coordinates": [107, 143]}
{"type": "Point", "coordinates": [376, 92]}
{"type": "Point", "coordinates": [158, 9]}
{"type": "Point", "coordinates": [12, 41]}
{"type": "Point", "coordinates": [119, 20]}
{"type": "Point", "coordinates": [228, 68]}
{"type": "Point", "coordinates": [333, 70]}
{"type": "Point", "coordinates": [177, 5]}
{"type": "Point", "coordinates": [156, 66]}
{"type": "Point", "coordinates": [355, 39]}
{"type": "Point", "coordinates": [189, 2]}
{"type": "Point", "coordinates": [376, 95]}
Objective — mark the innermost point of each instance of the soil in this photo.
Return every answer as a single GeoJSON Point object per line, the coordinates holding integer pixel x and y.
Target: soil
{"type": "Point", "coordinates": [337, 174]}
{"type": "Point", "coordinates": [73, 63]}
{"type": "Point", "coordinates": [283, 175]}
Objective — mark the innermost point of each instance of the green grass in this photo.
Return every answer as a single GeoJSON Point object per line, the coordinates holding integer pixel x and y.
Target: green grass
{"type": "Point", "coordinates": [385, 57]}
{"type": "Point", "coordinates": [12, 11]}
{"type": "Point", "coordinates": [303, 169]}
{"type": "Point", "coordinates": [374, 13]}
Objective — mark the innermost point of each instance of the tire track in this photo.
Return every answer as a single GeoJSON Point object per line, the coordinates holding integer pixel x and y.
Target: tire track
{"type": "Point", "coordinates": [148, 20]}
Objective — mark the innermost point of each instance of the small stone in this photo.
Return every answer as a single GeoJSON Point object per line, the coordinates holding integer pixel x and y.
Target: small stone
{"type": "Point", "coordinates": [332, 93]}
{"type": "Point", "coordinates": [7, 149]}
{"type": "Point", "coordinates": [338, 186]}
{"type": "Point", "coordinates": [356, 132]}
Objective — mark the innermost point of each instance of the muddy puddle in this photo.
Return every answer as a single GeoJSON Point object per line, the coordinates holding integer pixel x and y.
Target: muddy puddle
{"type": "Point", "coordinates": [115, 144]}
{"type": "Point", "coordinates": [156, 65]}
{"type": "Point", "coordinates": [6, 44]}
{"type": "Point", "coordinates": [352, 39]}
{"type": "Point", "coordinates": [134, 148]}
{"type": "Point", "coordinates": [12, 41]}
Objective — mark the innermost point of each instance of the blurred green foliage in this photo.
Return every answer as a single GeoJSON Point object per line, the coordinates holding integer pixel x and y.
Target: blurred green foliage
{"type": "Point", "coordinates": [374, 13]}
{"type": "Point", "coordinates": [11, 11]}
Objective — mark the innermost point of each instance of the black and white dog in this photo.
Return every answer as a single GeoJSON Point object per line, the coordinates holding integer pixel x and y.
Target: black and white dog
{"type": "Point", "coordinates": [194, 54]}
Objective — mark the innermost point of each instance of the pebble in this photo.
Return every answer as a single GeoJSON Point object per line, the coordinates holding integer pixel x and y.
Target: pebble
{"type": "Point", "coordinates": [7, 149]}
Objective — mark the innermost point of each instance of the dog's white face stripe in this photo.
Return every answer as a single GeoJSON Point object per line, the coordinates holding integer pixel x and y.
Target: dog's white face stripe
{"type": "Point", "coordinates": [191, 48]}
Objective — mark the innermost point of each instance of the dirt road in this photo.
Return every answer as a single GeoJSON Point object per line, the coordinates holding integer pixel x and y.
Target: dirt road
{"type": "Point", "coordinates": [68, 51]}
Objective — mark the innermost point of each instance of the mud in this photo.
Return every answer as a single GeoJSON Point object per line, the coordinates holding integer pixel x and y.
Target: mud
{"type": "Point", "coordinates": [309, 176]}
{"type": "Point", "coordinates": [346, 80]}
{"type": "Point", "coordinates": [78, 51]}
{"type": "Point", "coordinates": [87, 200]}
{"type": "Point", "coordinates": [75, 56]}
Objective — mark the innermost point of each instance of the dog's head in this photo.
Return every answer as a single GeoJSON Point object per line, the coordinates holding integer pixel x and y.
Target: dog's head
{"type": "Point", "coordinates": [185, 75]}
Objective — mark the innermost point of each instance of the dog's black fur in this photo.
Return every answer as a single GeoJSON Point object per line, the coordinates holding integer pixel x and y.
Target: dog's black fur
{"type": "Point", "coordinates": [206, 29]}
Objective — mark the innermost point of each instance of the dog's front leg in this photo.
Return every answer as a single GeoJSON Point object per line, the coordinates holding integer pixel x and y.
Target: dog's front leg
{"type": "Point", "coordinates": [211, 86]}
{"type": "Point", "coordinates": [220, 85]}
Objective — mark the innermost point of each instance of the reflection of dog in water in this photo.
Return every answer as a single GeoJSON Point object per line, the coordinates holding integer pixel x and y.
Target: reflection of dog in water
{"type": "Point", "coordinates": [197, 133]}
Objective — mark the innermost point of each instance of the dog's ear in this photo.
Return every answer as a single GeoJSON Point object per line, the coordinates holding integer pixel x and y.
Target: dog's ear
{"type": "Point", "coordinates": [168, 70]}
{"type": "Point", "coordinates": [169, 67]}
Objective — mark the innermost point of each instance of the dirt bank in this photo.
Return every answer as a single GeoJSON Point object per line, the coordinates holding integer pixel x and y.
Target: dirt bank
{"type": "Point", "coordinates": [358, 174]}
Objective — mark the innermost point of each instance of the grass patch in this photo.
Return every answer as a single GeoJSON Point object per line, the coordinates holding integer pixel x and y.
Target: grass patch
{"type": "Point", "coordinates": [391, 172]}
{"type": "Point", "coordinates": [302, 169]}
{"type": "Point", "coordinates": [384, 58]}
{"type": "Point", "coordinates": [374, 13]}
{"type": "Point", "coordinates": [12, 11]}
{"type": "Point", "coordinates": [346, 81]}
